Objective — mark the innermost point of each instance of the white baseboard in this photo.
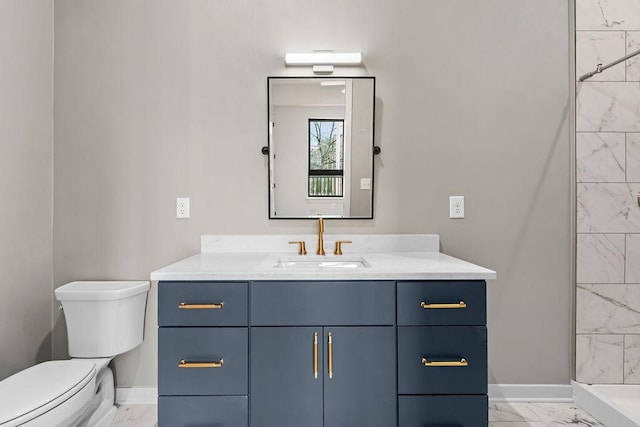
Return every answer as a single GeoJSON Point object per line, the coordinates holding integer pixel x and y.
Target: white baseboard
{"type": "Point", "coordinates": [497, 393]}
{"type": "Point", "coordinates": [530, 393]}
{"type": "Point", "coordinates": [136, 395]}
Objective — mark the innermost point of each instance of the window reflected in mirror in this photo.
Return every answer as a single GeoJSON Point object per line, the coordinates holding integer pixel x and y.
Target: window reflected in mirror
{"type": "Point", "coordinates": [326, 158]}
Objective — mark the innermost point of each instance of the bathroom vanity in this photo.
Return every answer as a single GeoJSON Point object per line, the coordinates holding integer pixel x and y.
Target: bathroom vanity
{"type": "Point", "coordinates": [388, 335]}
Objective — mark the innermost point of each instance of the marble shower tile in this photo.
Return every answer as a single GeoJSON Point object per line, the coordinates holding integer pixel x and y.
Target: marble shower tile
{"type": "Point", "coordinates": [600, 47]}
{"type": "Point", "coordinates": [560, 414]}
{"type": "Point", "coordinates": [599, 358]}
{"type": "Point", "coordinates": [633, 157]}
{"type": "Point", "coordinates": [600, 157]}
{"type": "Point", "coordinates": [607, 14]}
{"type": "Point", "coordinates": [608, 309]}
{"type": "Point", "coordinates": [600, 258]}
{"type": "Point", "coordinates": [608, 106]}
{"type": "Point", "coordinates": [632, 359]}
{"type": "Point", "coordinates": [608, 208]}
{"type": "Point", "coordinates": [633, 64]}
{"type": "Point", "coordinates": [632, 265]}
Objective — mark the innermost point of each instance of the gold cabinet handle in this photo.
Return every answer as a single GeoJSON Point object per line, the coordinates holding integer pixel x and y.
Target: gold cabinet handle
{"type": "Point", "coordinates": [315, 355]}
{"type": "Point", "coordinates": [214, 306]}
{"type": "Point", "coordinates": [330, 354]}
{"type": "Point", "coordinates": [302, 250]}
{"type": "Point", "coordinates": [185, 364]}
{"type": "Point", "coordinates": [338, 248]}
{"type": "Point", "coordinates": [446, 363]}
{"type": "Point", "coordinates": [460, 304]}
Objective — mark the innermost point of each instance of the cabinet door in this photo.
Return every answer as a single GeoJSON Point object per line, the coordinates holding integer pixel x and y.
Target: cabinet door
{"type": "Point", "coordinates": [284, 390]}
{"type": "Point", "coordinates": [361, 389]}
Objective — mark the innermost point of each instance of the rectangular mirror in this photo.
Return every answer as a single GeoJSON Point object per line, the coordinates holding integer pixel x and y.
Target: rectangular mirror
{"type": "Point", "coordinates": [321, 139]}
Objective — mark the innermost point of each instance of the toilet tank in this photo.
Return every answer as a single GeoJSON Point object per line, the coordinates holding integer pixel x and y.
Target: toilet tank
{"type": "Point", "coordinates": [104, 318]}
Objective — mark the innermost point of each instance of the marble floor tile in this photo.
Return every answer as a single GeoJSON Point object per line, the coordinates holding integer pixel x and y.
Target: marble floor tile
{"type": "Point", "coordinates": [560, 414]}
{"type": "Point", "coordinates": [511, 412]}
{"type": "Point", "coordinates": [519, 424]}
{"type": "Point", "coordinates": [136, 415]}
{"type": "Point", "coordinates": [501, 414]}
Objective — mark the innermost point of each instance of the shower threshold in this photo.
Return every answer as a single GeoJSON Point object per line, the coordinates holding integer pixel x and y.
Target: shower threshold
{"type": "Point", "coordinates": [614, 405]}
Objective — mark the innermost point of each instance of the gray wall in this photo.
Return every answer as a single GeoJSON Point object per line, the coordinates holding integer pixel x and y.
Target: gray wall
{"type": "Point", "coordinates": [26, 143]}
{"type": "Point", "coordinates": [158, 99]}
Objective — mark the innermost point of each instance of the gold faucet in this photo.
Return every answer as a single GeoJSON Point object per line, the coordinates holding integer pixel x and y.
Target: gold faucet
{"type": "Point", "coordinates": [320, 250]}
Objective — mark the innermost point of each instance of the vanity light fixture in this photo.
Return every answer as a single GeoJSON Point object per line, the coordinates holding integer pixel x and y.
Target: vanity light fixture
{"type": "Point", "coordinates": [323, 61]}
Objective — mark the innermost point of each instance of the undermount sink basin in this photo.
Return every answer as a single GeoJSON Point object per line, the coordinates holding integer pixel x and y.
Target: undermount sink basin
{"type": "Point", "coordinates": [321, 262]}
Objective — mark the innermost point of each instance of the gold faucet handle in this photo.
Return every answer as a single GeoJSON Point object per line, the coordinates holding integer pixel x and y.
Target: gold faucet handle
{"type": "Point", "coordinates": [302, 249]}
{"type": "Point", "coordinates": [338, 248]}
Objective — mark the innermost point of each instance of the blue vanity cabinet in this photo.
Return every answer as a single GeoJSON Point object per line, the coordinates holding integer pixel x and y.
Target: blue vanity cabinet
{"type": "Point", "coordinates": [203, 351]}
{"type": "Point", "coordinates": [442, 353]}
{"type": "Point", "coordinates": [323, 354]}
{"type": "Point", "coordinates": [409, 353]}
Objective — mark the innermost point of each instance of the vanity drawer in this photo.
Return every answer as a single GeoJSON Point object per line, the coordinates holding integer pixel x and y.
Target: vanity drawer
{"type": "Point", "coordinates": [332, 303]}
{"type": "Point", "coordinates": [203, 349]}
{"type": "Point", "coordinates": [459, 411]}
{"type": "Point", "coordinates": [442, 303]}
{"type": "Point", "coordinates": [202, 304]}
{"type": "Point", "coordinates": [218, 411]}
{"type": "Point", "coordinates": [422, 350]}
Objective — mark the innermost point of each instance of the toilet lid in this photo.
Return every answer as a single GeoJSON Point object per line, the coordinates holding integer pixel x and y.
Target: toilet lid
{"type": "Point", "coordinates": [41, 387]}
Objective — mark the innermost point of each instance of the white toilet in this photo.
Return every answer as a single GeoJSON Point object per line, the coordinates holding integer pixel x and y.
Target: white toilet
{"type": "Point", "coordinates": [103, 319]}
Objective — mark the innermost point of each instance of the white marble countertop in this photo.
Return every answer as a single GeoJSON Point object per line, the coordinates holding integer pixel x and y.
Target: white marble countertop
{"type": "Point", "coordinates": [242, 264]}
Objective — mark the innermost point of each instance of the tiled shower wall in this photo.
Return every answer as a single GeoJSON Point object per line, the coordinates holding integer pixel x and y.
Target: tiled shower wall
{"type": "Point", "coordinates": [608, 188]}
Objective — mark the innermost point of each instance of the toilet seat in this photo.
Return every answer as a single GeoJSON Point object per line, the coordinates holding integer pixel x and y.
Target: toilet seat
{"type": "Point", "coordinates": [36, 390]}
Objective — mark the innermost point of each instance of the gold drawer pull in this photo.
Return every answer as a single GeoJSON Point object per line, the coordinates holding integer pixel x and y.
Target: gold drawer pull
{"type": "Point", "coordinates": [452, 363]}
{"type": "Point", "coordinates": [214, 306]}
{"type": "Point", "coordinates": [184, 364]}
{"type": "Point", "coordinates": [461, 304]}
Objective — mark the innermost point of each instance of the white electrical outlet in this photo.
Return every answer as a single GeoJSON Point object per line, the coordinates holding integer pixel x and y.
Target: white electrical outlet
{"type": "Point", "coordinates": [182, 207]}
{"type": "Point", "coordinates": [456, 206]}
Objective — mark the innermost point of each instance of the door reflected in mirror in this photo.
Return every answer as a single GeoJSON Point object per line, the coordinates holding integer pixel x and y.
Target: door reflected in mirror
{"type": "Point", "coordinates": [321, 138]}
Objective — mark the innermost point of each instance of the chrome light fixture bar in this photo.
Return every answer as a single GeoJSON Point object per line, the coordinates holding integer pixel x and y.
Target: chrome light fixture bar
{"type": "Point", "coordinates": [323, 61]}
